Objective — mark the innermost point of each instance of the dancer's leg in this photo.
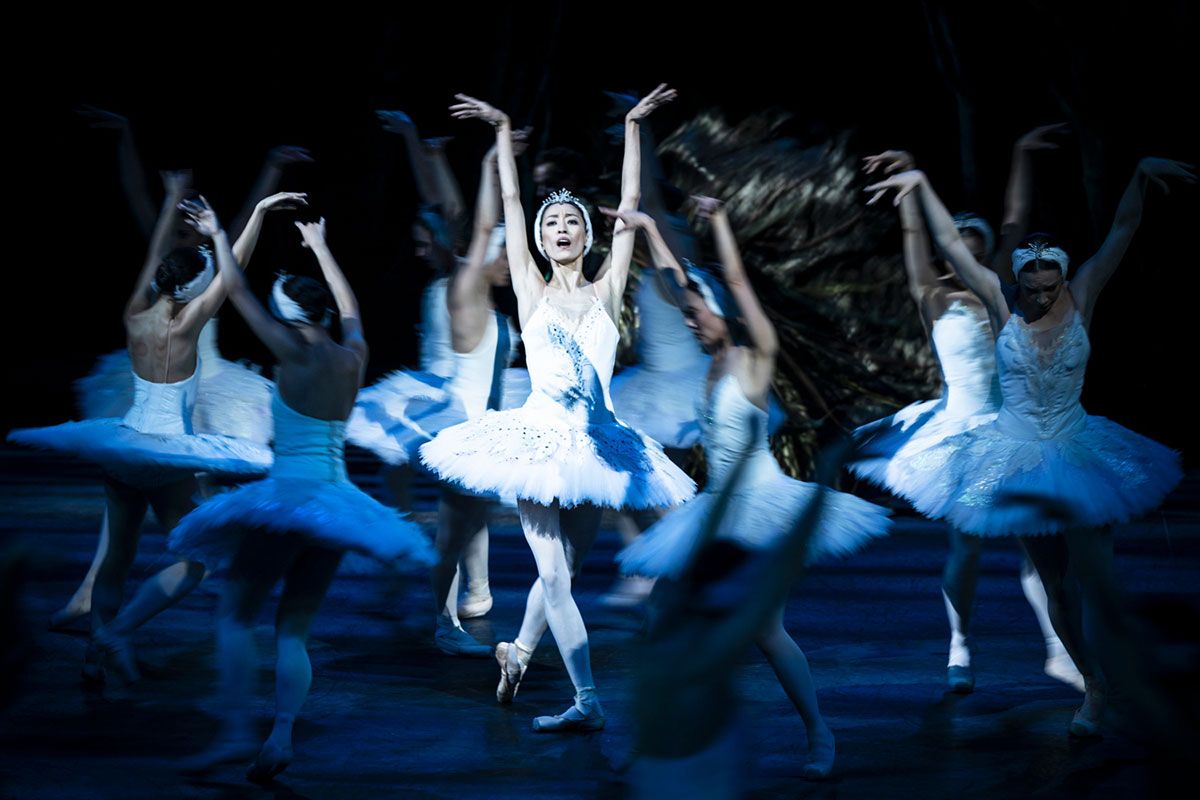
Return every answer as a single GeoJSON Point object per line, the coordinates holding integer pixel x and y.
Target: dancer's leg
{"type": "Point", "coordinates": [260, 561]}
{"type": "Point", "coordinates": [791, 667]}
{"type": "Point", "coordinates": [80, 604]}
{"type": "Point", "coordinates": [960, 577]}
{"type": "Point", "coordinates": [1058, 663]}
{"type": "Point", "coordinates": [304, 587]}
{"type": "Point", "coordinates": [1051, 556]}
{"type": "Point", "coordinates": [478, 598]}
{"type": "Point", "coordinates": [126, 508]}
{"type": "Point", "coordinates": [459, 518]}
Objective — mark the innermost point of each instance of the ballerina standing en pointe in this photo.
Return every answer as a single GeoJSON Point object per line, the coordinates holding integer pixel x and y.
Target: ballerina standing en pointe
{"type": "Point", "coordinates": [564, 455]}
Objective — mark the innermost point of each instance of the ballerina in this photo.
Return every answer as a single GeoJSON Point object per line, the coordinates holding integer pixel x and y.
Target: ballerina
{"type": "Point", "coordinates": [764, 502]}
{"type": "Point", "coordinates": [295, 525]}
{"type": "Point", "coordinates": [1044, 470]}
{"type": "Point", "coordinates": [958, 328]}
{"type": "Point", "coordinates": [564, 455]}
{"type": "Point", "coordinates": [150, 456]}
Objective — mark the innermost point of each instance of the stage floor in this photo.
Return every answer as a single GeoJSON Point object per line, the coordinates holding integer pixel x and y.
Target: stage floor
{"type": "Point", "coordinates": [390, 716]}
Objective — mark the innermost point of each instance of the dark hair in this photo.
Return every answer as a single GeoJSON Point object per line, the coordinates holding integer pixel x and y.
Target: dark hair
{"type": "Point", "coordinates": [1044, 240]}
{"type": "Point", "coordinates": [178, 268]}
{"type": "Point", "coordinates": [312, 296]}
{"type": "Point", "coordinates": [737, 330]}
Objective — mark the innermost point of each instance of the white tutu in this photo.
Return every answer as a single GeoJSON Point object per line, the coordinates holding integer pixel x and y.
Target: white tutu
{"type": "Point", "coordinates": [531, 453]}
{"type": "Point", "coordinates": [966, 352]}
{"type": "Point", "coordinates": [886, 444]}
{"type": "Point", "coordinates": [1042, 465]}
{"type": "Point", "coordinates": [989, 483]}
{"type": "Point", "coordinates": [308, 493]}
{"type": "Point", "coordinates": [231, 400]}
{"type": "Point", "coordinates": [147, 458]}
{"type": "Point", "coordinates": [154, 442]}
{"type": "Point", "coordinates": [564, 444]}
{"type": "Point", "coordinates": [765, 505]}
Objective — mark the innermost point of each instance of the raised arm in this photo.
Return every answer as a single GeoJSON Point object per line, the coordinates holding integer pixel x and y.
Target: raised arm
{"type": "Point", "coordinates": [401, 124]}
{"type": "Point", "coordinates": [470, 283]}
{"type": "Point", "coordinates": [283, 341]}
{"type": "Point", "coordinates": [918, 258]}
{"type": "Point", "coordinates": [129, 165]}
{"type": "Point", "coordinates": [343, 295]}
{"type": "Point", "coordinates": [526, 276]}
{"type": "Point", "coordinates": [1096, 271]}
{"type": "Point", "coordinates": [763, 338]}
{"type": "Point", "coordinates": [176, 185]}
{"type": "Point", "coordinates": [978, 278]}
{"type": "Point", "coordinates": [268, 179]}
{"type": "Point", "coordinates": [447, 185]}
{"type": "Point", "coordinates": [243, 248]}
{"type": "Point", "coordinates": [616, 269]}
{"type": "Point", "coordinates": [660, 251]}
{"type": "Point", "coordinates": [1018, 199]}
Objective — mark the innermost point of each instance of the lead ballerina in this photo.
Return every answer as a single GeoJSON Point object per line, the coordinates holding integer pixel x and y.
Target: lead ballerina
{"type": "Point", "coordinates": [564, 455]}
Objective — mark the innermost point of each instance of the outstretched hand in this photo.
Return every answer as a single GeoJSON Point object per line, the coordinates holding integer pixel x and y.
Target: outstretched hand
{"type": "Point", "coordinates": [890, 160]}
{"type": "Point", "coordinates": [312, 233]}
{"type": "Point", "coordinates": [1040, 138]}
{"type": "Point", "coordinates": [633, 218]}
{"type": "Point", "coordinates": [706, 206]}
{"type": "Point", "coordinates": [395, 121]}
{"type": "Point", "coordinates": [200, 215]}
{"type": "Point", "coordinates": [903, 183]}
{"type": "Point", "coordinates": [659, 97]}
{"type": "Point", "coordinates": [469, 107]}
{"type": "Point", "coordinates": [283, 201]}
{"type": "Point", "coordinates": [1161, 170]}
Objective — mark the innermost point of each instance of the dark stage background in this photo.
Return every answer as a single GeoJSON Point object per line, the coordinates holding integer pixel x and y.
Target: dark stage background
{"type": "Point", "coordinates": [216, 93]}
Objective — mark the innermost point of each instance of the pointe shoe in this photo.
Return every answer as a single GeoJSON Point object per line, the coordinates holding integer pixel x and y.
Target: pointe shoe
{"type": "Point", "coordinates": [1062, 668]}
{"type": "Point", "coordinates": [819, 764]}
{"type": "Point", "coordinates": [1085, 724]}
{"type": "Point", "coordinates": [271, 761]}
{"type": "Point", "coordinates": [475, 604]}
{"type": "Point", "coordinates": [961, 679]}
{"type": "Point", "coordinates": [118, 655]}
{"type": "Point", "coordinates": [511, 672]}
{"type": "Point", "coordinates": [453, 640]}
{"type": "Point", "coordinates": [573, 719]}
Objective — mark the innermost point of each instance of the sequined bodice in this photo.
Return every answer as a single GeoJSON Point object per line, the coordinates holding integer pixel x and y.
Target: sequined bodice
{"type": "Point", "coordinates": [732, 426]}
{"type": "Point", "coordinates": [571, 361]}
{"type": "Point", "coordinates": [966, 352]}
{"type": "Point", "coordinates": [1041, 377]}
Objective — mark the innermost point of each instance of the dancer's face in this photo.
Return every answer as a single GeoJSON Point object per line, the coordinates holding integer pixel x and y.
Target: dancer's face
{"type": "Point", "coordinates": [709, 329]}
{"type": "Point", "coordinates": [1040, 284]}
{"type": "Point", "coordinates": [564, 233]}
{"type": "Point", "coordinates": [423, 247]}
